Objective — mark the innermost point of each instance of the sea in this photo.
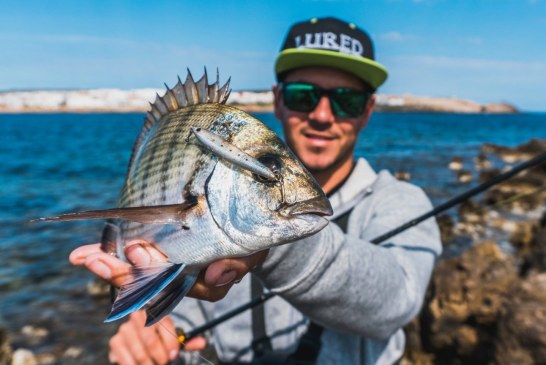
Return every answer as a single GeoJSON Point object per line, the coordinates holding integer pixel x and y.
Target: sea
{"type": "Point", "coordinates": [55, 163]}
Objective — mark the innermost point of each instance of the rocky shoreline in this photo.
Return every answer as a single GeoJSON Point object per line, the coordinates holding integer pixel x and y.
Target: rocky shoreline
{"type": "Point", "coordinates": [486, 303]}
{"type": "Point", "coordinates": [137, 100]}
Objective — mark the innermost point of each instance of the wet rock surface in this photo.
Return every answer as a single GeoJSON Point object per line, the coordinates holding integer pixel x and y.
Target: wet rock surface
{"type": "Point", "coordinates": [5, 348]}
{"type": "Point", "coordinates": [487, 305]}
{"type": "Point", "coordinates": [521, 337]}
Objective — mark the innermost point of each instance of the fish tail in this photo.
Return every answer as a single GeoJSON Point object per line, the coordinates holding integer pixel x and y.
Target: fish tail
{"type": "Point", "coordinates": [147, 282]}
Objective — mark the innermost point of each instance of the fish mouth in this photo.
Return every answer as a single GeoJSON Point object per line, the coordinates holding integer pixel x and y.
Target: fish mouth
{"type": "Point", "coordinates": [318, 206]}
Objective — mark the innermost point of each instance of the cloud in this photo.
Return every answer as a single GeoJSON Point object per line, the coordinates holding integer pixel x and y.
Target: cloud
{"type": "Point", "coordinates": [474, 41]}
{"type": "Point", "coordinates": [395, 36]}
{"type": "Point", "coordinates": [521, 82]}
{"type": "Point", "coordinates": [476, 64]}
{"type": "Point", "coordinates": [427, 1]}
{"type": "Point", "coordinates": [74, 39]}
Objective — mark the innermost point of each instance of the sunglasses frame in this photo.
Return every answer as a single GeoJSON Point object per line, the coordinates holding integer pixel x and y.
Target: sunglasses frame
{"type": "Point", "coordinates": [332, 94]}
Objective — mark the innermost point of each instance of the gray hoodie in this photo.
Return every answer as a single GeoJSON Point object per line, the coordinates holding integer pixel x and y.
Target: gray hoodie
{"type": "Point", "coordinates": [362, 293]}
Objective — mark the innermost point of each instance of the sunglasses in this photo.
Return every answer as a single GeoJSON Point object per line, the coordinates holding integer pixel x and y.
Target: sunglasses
{"type": "Point", "coordinates": [345, 102]}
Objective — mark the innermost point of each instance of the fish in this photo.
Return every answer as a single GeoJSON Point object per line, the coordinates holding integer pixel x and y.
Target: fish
{"type": "Point", "coordinates": [205, 181]}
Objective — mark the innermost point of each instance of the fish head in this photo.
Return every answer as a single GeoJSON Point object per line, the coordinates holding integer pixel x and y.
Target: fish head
{"type": "Point", "coordinates": [257, 213]}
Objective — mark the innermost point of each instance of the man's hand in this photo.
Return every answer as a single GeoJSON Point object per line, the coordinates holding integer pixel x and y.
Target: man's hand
{"type": "Point", "coordinates": [158, 344]}
{"type": "Point", "coordinates": [212, 284]}
{"type": "Point", "coordinates": [136, 344]}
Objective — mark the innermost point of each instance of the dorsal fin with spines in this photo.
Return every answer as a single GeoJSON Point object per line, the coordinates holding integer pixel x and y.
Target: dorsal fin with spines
{"type": "Point", "coordinates": [188, 93]}
{"type": "Point", "coordinates": [182, 95]}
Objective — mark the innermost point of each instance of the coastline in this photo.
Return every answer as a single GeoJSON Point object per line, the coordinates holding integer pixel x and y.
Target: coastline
{"type": "Point", "coordinates": [137, 101]}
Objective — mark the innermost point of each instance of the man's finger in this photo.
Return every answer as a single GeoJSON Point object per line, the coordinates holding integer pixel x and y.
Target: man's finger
{"type": "Point", "coordinates": [202, 291]}
{"type": "Point", "coordinates": [108, 268]}
{"type": "Point", "coordinates": [167, 332]}
{"type": "Point", "coordinates": [78, 256]}
{"type": "Point", "coordinates": [148, 347]}
{"type": "Point", "coordinates": [119, 353]}
{"type": "Point", "coordinates": [195, 344]}
{"type": "Point", "coordinates": [226, 271]}
{"type": "Point", "coordinates": [143, 253]}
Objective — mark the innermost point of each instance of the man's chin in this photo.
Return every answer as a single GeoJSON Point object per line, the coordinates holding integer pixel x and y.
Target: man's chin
{"type": "Point", "coordinates": [317, 164]}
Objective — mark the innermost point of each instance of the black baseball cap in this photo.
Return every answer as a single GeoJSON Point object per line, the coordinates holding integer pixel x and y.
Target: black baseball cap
{"type": "Point", "coordinates": [333, 43]}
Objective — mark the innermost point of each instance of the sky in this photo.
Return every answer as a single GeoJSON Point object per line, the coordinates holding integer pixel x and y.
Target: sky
{"type": "Point", "coordinates": [481, 50]}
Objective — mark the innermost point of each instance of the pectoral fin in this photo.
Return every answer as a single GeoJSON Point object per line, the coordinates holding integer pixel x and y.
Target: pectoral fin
{"type": "Point", "coordinates": [160, 214]}
{"type": "Point", "coordinates": [164, 302]}
{"type": "Point", "coordinates": [148, 282]}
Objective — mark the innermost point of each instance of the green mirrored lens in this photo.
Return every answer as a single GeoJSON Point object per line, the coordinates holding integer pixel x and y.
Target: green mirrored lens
{"type": "Point", "coordinates": [345, 103]}
{"type": "Point", "coordinates": [300, 97]}
{"type": "Point", "coordinates": [350, 103]}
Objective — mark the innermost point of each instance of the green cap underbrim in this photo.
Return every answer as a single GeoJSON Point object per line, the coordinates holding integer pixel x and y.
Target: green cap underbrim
{"type": "Point", "coordinates": [370, 71]}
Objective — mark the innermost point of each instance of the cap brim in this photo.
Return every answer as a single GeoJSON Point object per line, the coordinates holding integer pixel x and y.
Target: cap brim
{"type": "Point", "coordinates": [370, 71]}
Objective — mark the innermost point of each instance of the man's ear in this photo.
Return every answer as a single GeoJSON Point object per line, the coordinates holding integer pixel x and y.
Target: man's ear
{"type": "Point", "coordinates": [277, 100]}
{"type": "Point", "coordinates": [367, 112]}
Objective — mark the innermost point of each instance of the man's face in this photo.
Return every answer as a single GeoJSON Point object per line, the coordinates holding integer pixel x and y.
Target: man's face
{"type": "Point", "coordinates": [319, 138]}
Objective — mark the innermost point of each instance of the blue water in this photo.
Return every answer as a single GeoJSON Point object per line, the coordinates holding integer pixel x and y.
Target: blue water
{"type": "Point", "coordinates": [52, 163]}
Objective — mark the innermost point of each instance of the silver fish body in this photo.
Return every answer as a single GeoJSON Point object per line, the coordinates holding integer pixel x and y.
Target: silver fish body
{"type": "Point", "coordinates": [230, 191]}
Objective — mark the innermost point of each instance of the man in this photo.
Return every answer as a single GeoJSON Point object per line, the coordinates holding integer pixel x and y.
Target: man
{"type": "Point", "coordinates": [357, 294]}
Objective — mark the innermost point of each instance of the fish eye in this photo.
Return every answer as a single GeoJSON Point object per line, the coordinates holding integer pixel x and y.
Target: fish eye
{"type": "Point", "coordinates": [272, 162]}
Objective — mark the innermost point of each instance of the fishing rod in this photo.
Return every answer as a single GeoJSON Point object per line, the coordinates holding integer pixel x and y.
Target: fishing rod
{"type": "Point", "coordinates": [185, 336]}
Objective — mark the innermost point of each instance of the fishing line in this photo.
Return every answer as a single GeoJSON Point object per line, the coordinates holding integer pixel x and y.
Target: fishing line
{"type": "Point", "coordinates": [509, 199]}
{"type": "Point", "coordinates": [181, 338]}
{"type": "Point", "coordinates": [520, 195]}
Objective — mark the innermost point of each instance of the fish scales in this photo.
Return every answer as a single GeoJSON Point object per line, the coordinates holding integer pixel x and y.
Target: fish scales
{"type": "Point", "coordinates": [206, 181]}
{"type": "Point", "coordinates": [162, 155]}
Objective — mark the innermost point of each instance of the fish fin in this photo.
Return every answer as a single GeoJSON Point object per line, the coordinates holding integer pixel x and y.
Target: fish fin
{"type": "Point", "coordinates": [110, 237]}
{"type": "Point", "coordinates": [202, 89]}
{"type": "Point", "coordinates": [180, 94]}
{"type": "Point", "coordinates": [164, 302]}
{"type": "Point", "coordinates": [161, 105]}
{"type": "Point", "coordinates": [191, 89]}
{"type": "Point", "coordinates": [170, 99]}
{"type": "Point", "coordinates": [160, 214]}
{"type": "Point", "coordinates": [183, 94]}
{"type": "Point", "coordinates": [223, 93]}
{"type": "Point", "coordinates": [148, 282]}
{"type": "Point", "coordinates": [213, 89]}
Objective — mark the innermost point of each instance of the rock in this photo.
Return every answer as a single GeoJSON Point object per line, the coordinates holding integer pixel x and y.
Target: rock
{"type": "Point", "coordinates": [456, 164]}
{"type": "Point", "coordinates": [403, 175]}
{"type": "Point", "coordinates": [5, 348]}
{"type": "Point", "coordinates": [23, 357]}
{"type": "Point", "coordinates": [522, 324]}
{"type": "Point", "coordinates": [533, 251]}
{"type": "Point", "coordinates": [481, 162]}
{"type": "Point", "coordinates": [415, 354]}
{"type": "Point", "coordinates": [47, 359]}
{"type": "Point", "coordinates": [499, 108]}
{"type": "Point", "coordinates": [98, 288]}
{"type": "Point", "coordinates": [522, 152]}
{"type": "Point", "coordinates": [33, 334]}
{"type": "Point", "coordinates": [464, 177]}
{"type": "Point", "coordinates": [472, 211]}
{"type": "Point", "coordinates": [445, 222]}
{"type": "Point", "coordinates": [524, 192]}
{"type": "Point", "coordinates": [463, 304]}
{"type": "Point", "coordinates": [73, 352]}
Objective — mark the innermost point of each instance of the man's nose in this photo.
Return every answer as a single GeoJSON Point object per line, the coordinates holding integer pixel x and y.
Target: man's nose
{"type": "Point", "coordinates": [323, 111]}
